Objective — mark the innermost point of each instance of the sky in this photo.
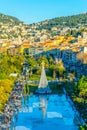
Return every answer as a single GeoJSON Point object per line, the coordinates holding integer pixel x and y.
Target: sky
{"type": "Point", "coordinates": [33, 11]}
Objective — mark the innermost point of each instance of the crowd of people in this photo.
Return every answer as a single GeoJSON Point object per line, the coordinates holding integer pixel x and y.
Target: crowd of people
{"type": "Point", "coordinates": [12, 107]}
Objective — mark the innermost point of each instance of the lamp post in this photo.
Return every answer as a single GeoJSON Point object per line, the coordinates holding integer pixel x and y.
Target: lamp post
{"type": "Point", "coordinates": [26, 74]}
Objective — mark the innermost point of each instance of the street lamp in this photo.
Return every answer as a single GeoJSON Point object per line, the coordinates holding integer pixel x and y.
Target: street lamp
{"type": "Point", "coordinates": [26, 74]}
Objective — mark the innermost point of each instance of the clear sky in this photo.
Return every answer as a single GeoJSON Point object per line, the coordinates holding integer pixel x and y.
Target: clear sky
{"type": "Point", "coordinates": [31, 11]}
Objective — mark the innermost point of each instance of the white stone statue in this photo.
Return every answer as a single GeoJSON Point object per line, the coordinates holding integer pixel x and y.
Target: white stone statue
{"type": "Point", "coordinates": [43, 84]}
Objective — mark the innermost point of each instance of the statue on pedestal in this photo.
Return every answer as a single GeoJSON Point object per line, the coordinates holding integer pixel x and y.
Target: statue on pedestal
{"type": "Point", "coordinates": [43, 84]}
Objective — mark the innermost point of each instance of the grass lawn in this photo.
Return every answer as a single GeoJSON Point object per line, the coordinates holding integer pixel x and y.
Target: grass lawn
{"type": "Point", "coordinates": [37, 77]}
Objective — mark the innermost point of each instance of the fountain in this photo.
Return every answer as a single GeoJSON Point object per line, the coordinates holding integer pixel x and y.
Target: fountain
{"type": "Point", "coordinates": [43, 87]}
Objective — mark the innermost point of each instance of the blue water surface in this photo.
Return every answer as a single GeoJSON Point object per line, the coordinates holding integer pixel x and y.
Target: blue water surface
{"type": "Point", "coordinates": [46, 112]}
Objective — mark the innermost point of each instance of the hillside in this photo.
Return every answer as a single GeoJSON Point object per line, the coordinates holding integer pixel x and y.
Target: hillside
{"type": "Point", "coordinates": [61, 22]}
{"type": "Point", "coordinates": [61, 26]}
{"type": "Point", "coordinates": [11, 27]}
{"type": "Point", "coordinates": [5, 19]}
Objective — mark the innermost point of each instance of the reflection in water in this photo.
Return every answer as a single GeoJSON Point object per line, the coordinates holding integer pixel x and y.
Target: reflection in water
{"type": "Point", "coordinates": [43, 104]}
{"type": "Point", "coordinates": [41, 112]}
{"type": "Point", "coordinates": [26, 100]}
